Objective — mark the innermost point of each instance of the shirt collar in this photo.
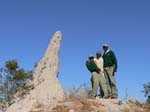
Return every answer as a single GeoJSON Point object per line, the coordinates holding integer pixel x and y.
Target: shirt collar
{"type": "Point", "coordinates": [107, 51]}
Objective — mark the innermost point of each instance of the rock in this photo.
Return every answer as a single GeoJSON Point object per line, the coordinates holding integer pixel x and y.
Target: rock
{"type": "Point", "coordinates": [47, 88]}
{"type": "Point", "coordinates": [71, 110]}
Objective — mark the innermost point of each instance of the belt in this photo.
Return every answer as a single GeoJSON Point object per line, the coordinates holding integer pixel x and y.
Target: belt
{"type": "Point", "coordinates": [108, 67]}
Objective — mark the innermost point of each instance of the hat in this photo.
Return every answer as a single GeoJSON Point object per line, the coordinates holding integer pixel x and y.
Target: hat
{"type": "Point", "coordinates": [90, 56]}
{"type": "Point", "coordinates": [98, 52]}
{"type": "Point", "coordinates": [105, 45]}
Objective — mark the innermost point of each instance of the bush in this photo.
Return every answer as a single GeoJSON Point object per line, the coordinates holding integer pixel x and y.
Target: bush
{"type": "Point", "coordinates": [147, 91]}
{"type": "Point", "coordinates": [80, 96]}
{"type": "Point", "coordinates": [13, 80]}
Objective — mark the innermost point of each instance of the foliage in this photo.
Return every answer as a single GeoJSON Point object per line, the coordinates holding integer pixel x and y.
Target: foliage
{"type": "Point", "coordinates": [147, 91]}
{"type": "Point", "coordinates": [12, 80]}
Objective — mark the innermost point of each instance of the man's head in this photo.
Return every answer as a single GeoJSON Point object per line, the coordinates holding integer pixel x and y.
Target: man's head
{"type": "Point", "coordinates": [98, 54]}
{"type": "Point", "coordinates": [105, 47]}
{"type": "Point", "coordinates": [91, 57]}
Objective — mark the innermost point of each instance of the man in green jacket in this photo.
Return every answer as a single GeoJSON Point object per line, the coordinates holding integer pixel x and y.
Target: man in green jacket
{"type": "Point", "coordinates": [97, 77]}
{"type": "Point", "coordinates": [110, 67]}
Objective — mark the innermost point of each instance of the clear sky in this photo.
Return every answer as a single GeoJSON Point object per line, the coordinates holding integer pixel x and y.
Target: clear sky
{"type": "Point", "coordinates": [26, 27]}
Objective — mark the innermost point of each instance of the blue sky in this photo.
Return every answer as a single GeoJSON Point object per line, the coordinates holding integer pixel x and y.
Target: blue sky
{"type": "Point", "coordinates": [26, 27]}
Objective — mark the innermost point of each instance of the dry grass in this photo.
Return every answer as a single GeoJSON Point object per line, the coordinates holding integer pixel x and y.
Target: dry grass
{"type": "Point", "coordinates": [86, 105]}
{"type": "Point", "coordinates": [126, 110]}
{"type": "Point", "coordinates": [136, 106]}
{"type": "Point", "coordinates": [147, 107]}
{"type": "Point", "coordinates": [76, 100]}
{"type": "Point", "coordinates": [80, 95]}
{"type": "Point", "coordinates": [60, 108]}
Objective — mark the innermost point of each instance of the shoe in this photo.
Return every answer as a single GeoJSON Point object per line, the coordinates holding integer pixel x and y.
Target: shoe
{"type": "Point", "coordinates": [105, 97]}
{"type": "Point", "coordinates": [100, 96]}
{"type": "Point", "coordinates": [114, 97]}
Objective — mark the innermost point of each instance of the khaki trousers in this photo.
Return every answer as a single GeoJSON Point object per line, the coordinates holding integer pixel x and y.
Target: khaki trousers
{"type": "Point", "coordinates": [111, 82]}
{"type": "Point", "coordinates": [98, 80]}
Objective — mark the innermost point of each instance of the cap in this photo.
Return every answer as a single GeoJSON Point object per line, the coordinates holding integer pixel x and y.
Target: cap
{"type": "Point", "coordinates": [105, 45]}
{"type": "Point", "coordinates": [90, 56]}
{"type": "Point", "coordinates": [98, 52]}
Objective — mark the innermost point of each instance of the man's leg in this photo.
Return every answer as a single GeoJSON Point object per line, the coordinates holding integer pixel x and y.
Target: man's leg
{"type": "Point", "coordinates": [91, 82]}
{"type": "Point", "coordinates": [101, 92]}
{"type": "Point", "coordinates": [95, 77]}
{"type": "Point", "coordinates": [107, 82]}
{"type": "Point", "coordinates": [113, 86]}
{"type": "Point", "coordinates": [103, 84]}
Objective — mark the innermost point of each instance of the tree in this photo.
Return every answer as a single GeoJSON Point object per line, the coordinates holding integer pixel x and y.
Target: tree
{"type": "Point", "coordinates": [12, 80]}
{"type": "Point", "coordinates": [147, 91]}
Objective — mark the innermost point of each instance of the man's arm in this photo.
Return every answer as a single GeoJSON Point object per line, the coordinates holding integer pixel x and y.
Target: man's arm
{"type": "Point", "coordinates": [92, 67]}
{"type": "Point", "coordinates": [114, 59]}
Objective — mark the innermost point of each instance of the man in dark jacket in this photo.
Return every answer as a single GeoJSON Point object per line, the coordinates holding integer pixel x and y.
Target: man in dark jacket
{"type": "Point", "coordinates": [97, 77]}
{"type": "Point", "coordinates": [110, 67]}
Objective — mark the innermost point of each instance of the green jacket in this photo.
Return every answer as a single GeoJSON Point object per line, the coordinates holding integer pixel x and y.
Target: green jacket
{"type": "Point", "coordinates": [110, 59]}
{"type": "Point", "coordinates": [92, 67]}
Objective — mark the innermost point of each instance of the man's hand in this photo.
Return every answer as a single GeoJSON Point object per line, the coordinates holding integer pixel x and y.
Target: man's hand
{"type": "Point", "coordinates": [87, 62]}
{"type": "Point", "coordinates": [98, 69]}
{"type": "Point", "coordinates": [115, 69]}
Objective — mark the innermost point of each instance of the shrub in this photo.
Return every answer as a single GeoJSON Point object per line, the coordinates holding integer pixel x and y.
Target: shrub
{"type": "Point", "coordinates": [13, 80]}
{"type": "Point", "coordinates": [147, 91]}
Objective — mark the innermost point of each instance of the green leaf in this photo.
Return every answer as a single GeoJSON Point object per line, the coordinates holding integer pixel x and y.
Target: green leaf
{"type": "Point", "coordinates": [12, 65]}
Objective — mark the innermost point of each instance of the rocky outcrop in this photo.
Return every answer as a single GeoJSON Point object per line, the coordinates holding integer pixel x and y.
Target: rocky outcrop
{"type": "Point", "coordinates": [98, 105]}
{"type": "Point", "coordinates": [47, 88]}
